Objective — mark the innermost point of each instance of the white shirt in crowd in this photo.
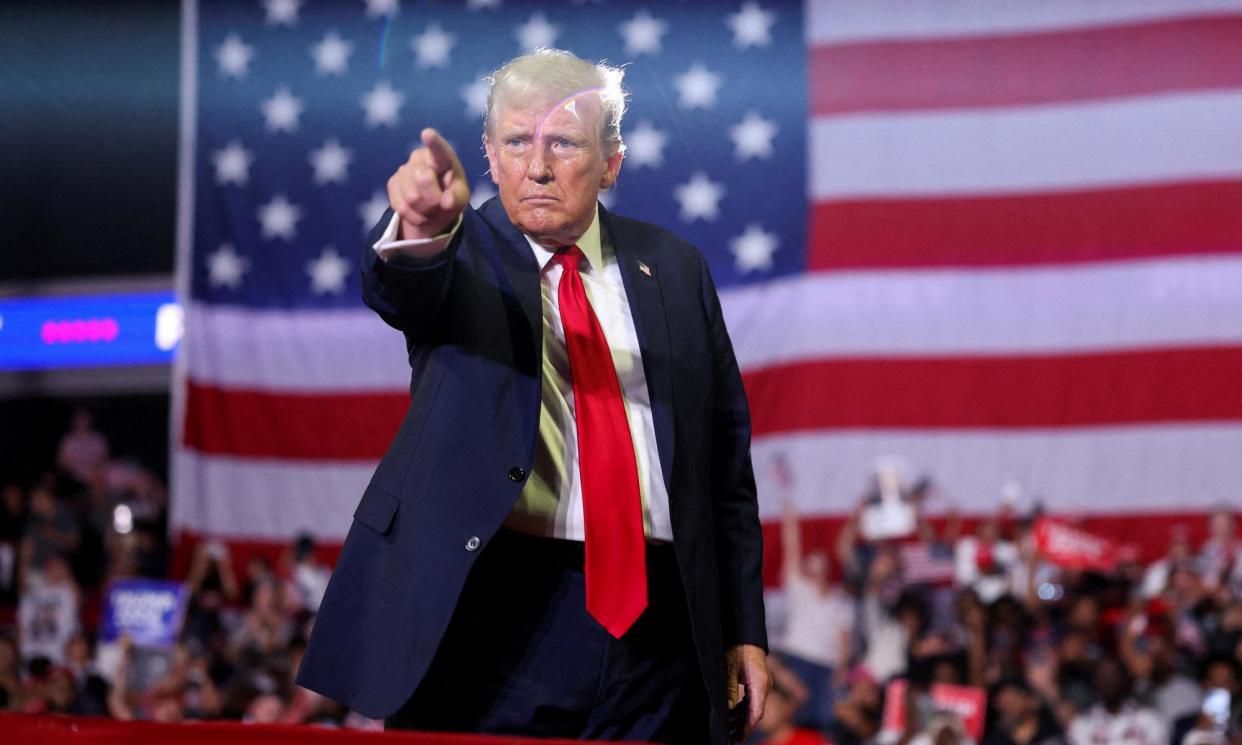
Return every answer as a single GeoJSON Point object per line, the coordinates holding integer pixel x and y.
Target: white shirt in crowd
{"type": "Point", "coordinates": [819, 623]}
{"type": "Point", "coordinates": [47, 618]}
{"type": "Point", "coordinates": [967, 573]}
{"type": "Point", "coordinates": [1132, 725]}
{"type": "Point", "coordinates": [887, 640]}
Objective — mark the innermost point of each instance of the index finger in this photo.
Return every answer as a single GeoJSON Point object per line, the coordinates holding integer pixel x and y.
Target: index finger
{"type": "Point", "coordinates": [754, 710]}
{"type": "Point", "coordinates": [442, 155]}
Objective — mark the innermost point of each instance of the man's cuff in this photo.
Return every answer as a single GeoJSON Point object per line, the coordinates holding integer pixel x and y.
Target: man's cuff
{"type": "Point", "coordinates": [419, 248]}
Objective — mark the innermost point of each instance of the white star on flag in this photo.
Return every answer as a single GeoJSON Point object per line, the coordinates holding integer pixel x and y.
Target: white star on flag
{"type": "Point", "coordinates": [331, 162]}
{"type": "Point", "coordinates": [332, 54]}
{"type": "Point", "coordinates": [225, 268]}
{"type": "Point", "coordinates": [642, 33]}
{"type": "Point", "coordinates": [282, 111]}
{"type": "Point", "coordinates": [752, 137]}
{"type": "Point", "coordinates": [475, 96]}
{"type": "Point", "coordinates": [232, 164]}
{"type": "Point", "coordinates": [383, 8]}
{"type": "Point", "coordinates": [752, 250]}
{"type": "Point", "coordinates": [279, 218]}
{"type": "Point", "coordinates": [382, 104]}
{"type": "Point", "coordinates": [328, 272]}
{"type": "Point", "coordinates": [700, 198]}
{"type": "Point", "coordinates": [644, 146]}
{"type": "Point", "coordinates": [233, 57]}
{"type": "Point", "coordinates": [372, 210]}
{"type": "Point", "coordinates": [282, 12]}
{"type": "Point", "coordinates": [481, 192]}
{"type": "Point", "coordinates": [536, 32]}
{"type": "Point", "coordinates": [697, 87]}
{"type": "Point", "coordinates": [752, 26]}
{"type": "Point", "coordinates": [433, 46]}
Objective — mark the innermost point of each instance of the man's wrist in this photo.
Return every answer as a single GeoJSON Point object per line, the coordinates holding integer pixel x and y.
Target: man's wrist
{"type": "Point", "coordinates": [389, 245]}
{"type": "Point", "coordinates": [407, 232]}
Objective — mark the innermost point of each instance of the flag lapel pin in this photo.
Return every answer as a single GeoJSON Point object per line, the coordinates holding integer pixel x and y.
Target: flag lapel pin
{"type": "Point", "coordinates": [644, 268]}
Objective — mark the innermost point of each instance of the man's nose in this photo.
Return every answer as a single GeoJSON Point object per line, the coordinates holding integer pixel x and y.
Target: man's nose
{"type": "Point", "coordinates": [538, 168]}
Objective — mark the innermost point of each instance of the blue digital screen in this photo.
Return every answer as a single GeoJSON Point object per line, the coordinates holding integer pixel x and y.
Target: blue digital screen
{"type": "Point", "coordinates": [47, 333]}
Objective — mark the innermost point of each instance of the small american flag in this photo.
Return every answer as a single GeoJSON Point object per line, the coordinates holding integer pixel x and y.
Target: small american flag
{"type": "Point", "coordinates": [926, 563]}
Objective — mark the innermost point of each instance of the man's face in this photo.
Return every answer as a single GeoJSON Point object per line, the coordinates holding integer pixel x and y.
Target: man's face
{"type": "Point", "coordinates": [1011, 705]}
{"type": "Point", "coordinates": [1110, 682]}
{"type": "Point", "coordinates": [1221, 525]}
{"type": "Point", "coordinates": [549, 165]}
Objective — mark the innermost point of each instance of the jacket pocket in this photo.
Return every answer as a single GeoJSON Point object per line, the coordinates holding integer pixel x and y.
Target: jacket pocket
{"type": "Point", "coordinates": [377, 509]}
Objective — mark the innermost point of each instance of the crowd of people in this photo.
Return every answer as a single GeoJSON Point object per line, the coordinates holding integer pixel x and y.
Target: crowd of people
{"type": "Point", "coordinates": [871, 632]}
{"type": "Point", "coordinates": [92, 518]}
{"type": "Point", "coordinates": [898, 639]}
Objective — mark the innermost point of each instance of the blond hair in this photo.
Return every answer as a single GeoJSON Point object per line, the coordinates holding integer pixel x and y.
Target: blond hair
{"type": "Point", "coordinates": [548, 76]}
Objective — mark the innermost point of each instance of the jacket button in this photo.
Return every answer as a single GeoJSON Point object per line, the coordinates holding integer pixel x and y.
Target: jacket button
{"type": "Point", "coordinates": [517, 473]}
{"type": "Point", "coordinates": [473, 543]}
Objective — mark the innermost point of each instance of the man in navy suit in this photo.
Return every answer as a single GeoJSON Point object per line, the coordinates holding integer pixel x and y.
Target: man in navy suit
{"type": "Point", "coordinates": [563, 538]}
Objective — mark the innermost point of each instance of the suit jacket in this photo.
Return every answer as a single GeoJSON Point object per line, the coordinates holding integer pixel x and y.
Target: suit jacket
{"type": "Point", "coordinates": [472, 321]}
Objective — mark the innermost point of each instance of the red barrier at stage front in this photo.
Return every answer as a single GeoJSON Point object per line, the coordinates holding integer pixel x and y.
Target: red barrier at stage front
{"type": "Point", "coordinates": [28, 729]}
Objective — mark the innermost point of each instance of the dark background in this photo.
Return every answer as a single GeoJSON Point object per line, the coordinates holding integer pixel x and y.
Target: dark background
{"type": "Point", "coordinates": [88, 139]}
{"type": "Point", "coordinates": [135, 424]}
{"type": "Point", "coordinates": [88, 176]}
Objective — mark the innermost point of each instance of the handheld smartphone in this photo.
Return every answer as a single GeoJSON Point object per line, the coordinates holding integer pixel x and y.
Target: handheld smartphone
{"type": "Point", "coordinates": [1216, 705]}
{"type": "Point", "coordinates": [925, 709]}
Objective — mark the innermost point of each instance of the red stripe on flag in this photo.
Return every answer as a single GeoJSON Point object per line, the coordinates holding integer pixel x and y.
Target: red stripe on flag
{"type": "Point", "coordinates": [1065, 227]}
{"type": "Point", "coordinates": [1198, 384]}
{"type": "Point", "coordinates": [1195, 384]}
{"type": "Point", "coordinates": [265, 424]}
{"type": "Point", "coordinates": [1075, 65]}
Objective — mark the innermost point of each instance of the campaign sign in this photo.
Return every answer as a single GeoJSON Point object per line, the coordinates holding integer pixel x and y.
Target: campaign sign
{"type": "Point", "coordinates": [150, 611]}
{"type": "Point", "coordinates": [967, 703]}
{"type": "Point", "coordinates": [1071, 548]}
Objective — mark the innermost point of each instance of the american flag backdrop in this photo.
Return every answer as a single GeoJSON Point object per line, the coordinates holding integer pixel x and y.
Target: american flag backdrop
{"type": "Point", "coordinates": [998, 240]}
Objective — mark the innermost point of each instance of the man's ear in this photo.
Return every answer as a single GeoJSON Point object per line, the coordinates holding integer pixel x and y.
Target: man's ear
{"type": "Point", "coordinates": [612, 168]}
{"type": "Point", "coordinates": [491, 159]}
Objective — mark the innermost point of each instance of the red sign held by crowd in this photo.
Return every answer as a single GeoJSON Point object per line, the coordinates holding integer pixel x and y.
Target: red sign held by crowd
{"type": "Point", "coordinates": [1071, 548]}
{"type": "Point", "coordinates": [965, 703]}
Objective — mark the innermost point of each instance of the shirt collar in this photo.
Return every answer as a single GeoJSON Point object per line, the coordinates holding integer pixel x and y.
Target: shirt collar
{"type": "Point", "coordinates": [590, 243]}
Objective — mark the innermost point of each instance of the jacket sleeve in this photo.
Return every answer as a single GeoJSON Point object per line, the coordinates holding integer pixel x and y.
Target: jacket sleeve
{"type": "Point", "coordinates": [739, 540]}
{"type": "Point", "coordinates": [406, 292]}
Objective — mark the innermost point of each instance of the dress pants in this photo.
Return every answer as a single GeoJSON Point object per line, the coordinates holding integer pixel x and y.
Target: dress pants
{"type": "Point", "coordinates": [523, 657]}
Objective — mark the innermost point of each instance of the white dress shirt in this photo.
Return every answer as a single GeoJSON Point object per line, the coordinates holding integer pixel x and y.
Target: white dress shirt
{"type": "Point", "coordinates": [551, 501]}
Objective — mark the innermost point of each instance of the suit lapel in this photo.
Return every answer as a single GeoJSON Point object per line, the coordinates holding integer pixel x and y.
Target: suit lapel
{"type": "Point", "coordinates": [645, 296]}
{"type": "Point", "coordinates": [521, 269]}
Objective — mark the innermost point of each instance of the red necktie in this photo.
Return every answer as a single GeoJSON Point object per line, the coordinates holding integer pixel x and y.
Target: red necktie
{"type": "Point", "coordinates": [616, 559]}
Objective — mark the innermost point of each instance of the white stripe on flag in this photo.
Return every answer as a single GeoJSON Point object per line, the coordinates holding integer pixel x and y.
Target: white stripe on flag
{"type": "Point", "coordinates": [1153, 139]}
{"type": "Point", "coordinates": [1080, 471]}
{"type": "Point", "coordinates": [252, 498]}
{"type": "Point", "coordinates": [1142, 304]}
{"type": "Point", "coordinates": [1092, 470]}
{"type": "Point", "coordinates": [294, 351]}
{"type": "Point", "coordinates": [847, 21]}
